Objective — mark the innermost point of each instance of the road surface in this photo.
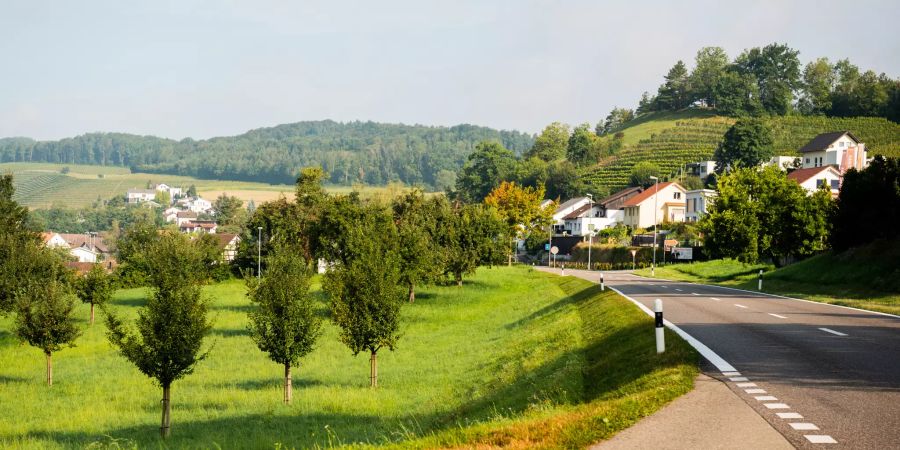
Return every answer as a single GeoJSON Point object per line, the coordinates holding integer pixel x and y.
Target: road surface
{"type": "Point", "coordinates": [822, 375]}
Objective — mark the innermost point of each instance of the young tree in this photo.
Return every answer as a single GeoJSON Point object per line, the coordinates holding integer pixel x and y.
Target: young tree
{"type": "Point", "coordinates": [18, 245]}
{"type": "Point", "coordinates": [283, 322]}
{"type": "Point", "coordinates": [192, 191]}
{"type": "Point", "coordinates": [521, 209]}
{"type": "Point", "coordinates": [416, 220]}
{"type": "Point", "coordinates": [366, 291]}
{"type": "Point", "coordinates": [172, 325]}
{"type": "Point", "coordinates": [95, 288]}
{"type": "Point", "coordinates": [44, 314]}
{"type": "Point", "coordinates": [469, 236]}
{"type": "Point", "coordinates": [748, 143]}
{"type": "Point", "coordinates": [551, 144]}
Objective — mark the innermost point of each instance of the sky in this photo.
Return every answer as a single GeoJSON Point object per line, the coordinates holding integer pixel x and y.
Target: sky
{"type": "Point", "coordinates": [192, 68]}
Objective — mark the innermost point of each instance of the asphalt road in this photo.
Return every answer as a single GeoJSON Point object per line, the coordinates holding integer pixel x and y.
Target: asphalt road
{"type": "Point", "coordinates": [815, 372]}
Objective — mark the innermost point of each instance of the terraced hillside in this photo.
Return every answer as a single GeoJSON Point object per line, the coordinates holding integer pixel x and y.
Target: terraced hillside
{"type": "Point", "coordinates": [671, 140]}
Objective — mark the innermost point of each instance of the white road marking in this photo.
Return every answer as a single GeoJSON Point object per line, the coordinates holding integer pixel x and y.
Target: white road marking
{"type": "Point", "coordinates": [661, 286]}
{"type": "Point", "coordinates": [716, 299]}
{"type": "Point", "coordinates": [828, 330]}
{"type": "Point", "coordinates": [790, 415]}
{"type": "Point", "coordinates": [805, 426]}
{"type": "Point", "coordinates": [776, 406]}
{"type": "Point", "coordinates": [820, 439]}
{"type": "Point", "coordinates": [755, 391]}
{"type": "Point", "coordinates": [679, 290]}
{"type": "Point", "coordinates": [731, 374]}
{"type": "Point", "coordinates": [766, 398]}
{"type": "Point", "coordinates": [746, 385]}
{"type": "Point", "coordinates": [738, 379]}
{"type": "Point", "coordinates": [776, 315]}
{"type": "Point", "coordinates": [740, 306]}
{"type": "Point", "coordinates": [694, 293]}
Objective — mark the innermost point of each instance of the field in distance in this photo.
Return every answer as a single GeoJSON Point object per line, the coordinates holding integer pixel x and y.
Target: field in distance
{"type": "Point", "coordinates": [41, 185]}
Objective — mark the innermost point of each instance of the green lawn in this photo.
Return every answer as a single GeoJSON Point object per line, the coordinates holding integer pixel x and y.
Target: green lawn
{"type": "Point", "coordinates": [514, 358]}
{"type": "Point", "coordinates": [867, 277]}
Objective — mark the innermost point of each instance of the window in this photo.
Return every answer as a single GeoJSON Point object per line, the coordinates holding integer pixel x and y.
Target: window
{"type": "Point", "coordinates": [842, 143]}
{"type": "Point", "coordinates": [807, 160]}
{"type": "Point", "coordinates": [819, 183]}
{"type": "Point", "coordinates": [835, 184]}
{"type": "Point", "coordinates": [677, 195]}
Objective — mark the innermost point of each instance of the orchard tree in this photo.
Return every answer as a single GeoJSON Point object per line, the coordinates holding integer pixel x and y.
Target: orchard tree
{"type": "Point", "coordinates": [366, 291]}
{"type": "Point", "coordinates": [283, 322]}
{"type": "Point", "coordinates": [748, 143]}
{"type": "Point", "coordinates": [94, 288]}
{"type": "Point", "coordinates": [171, 326]}
{"type": "Point", "coordinates": [520, 207]}
{"type": "Point", "coordinates": [469, 236]}
{"type": "Point", "coordinates": [420, 258]}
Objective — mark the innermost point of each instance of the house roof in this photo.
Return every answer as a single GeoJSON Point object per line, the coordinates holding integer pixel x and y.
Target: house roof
{"type": "Point", "coordinates": [578, 212]}
{"type": "Point", "coordinates": [802, 175]}
{"type": "Point", "coordinates": [186, 214]}
{"type": "Point", "coordinates": [46, 236]}
{"type": "Point", "coordinates": [142, 191]}
{"type": "Point", "coordinates": [822, 141]}
{"type": "Point", "coordinates": [570, 202]}
{"type": "Point", "coordinates": [618, 195]}
{"type": "Point", "coordinates": [80, 240]}
{"type": "Point", "coordinates": [648, 193]}
{"type": "Point", "coordinates": [225, 239]}
{"type": "Point", "coordinates": [199, 224]}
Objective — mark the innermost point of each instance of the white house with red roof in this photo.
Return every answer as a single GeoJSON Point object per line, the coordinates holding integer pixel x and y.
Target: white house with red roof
{"type": "Point", "coordinates": [657, 204]}
{"type": "Point", "coordinates": [813, 178]}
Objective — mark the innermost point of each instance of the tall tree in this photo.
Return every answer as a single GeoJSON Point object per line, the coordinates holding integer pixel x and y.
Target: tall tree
{"type": "Point", "coordinates": [230, 213]}
{"type": "Point", "coordinates": [563, 181]}
{"type": "Point", "coordinates": [520, 207]}
{"type": "Point", "coordinates": [94, 288]}
{"type": "Point", "coordinates": [172, 325]}
{"type": "Point", "coordinates": [416, 219]}
{"type": "Point", "coordinates": [582, 147]}
{"type": "Point", "coordinates": [283, 322]}
{"type": "Point", "coordinates": [469, 236]}
{"type": "Point", "coordinates": [675, 93]}
{"type": "Point", "coordinates": [616, 119]}
{"type": "Point", "coordinates": [737, 94]}
{"type": "Point", "coordinates": [709, 65]}
{"type": "Point", "coordinates": [18, 244]}
{"type": "Point", "coordinates": [868, 206]}
{"type": "Point", "coordinates": [551, 144]}
{"type": "Point", "coordinates": [485, 168]}
{"type": "Point", "coordinates": [777, 71]}
{"type": "Point", "coordinates": [748, 143]}
{"type": "Point", "coordinates": [818, 82]}
{"type": "Point", "coordinates": [366, 291]}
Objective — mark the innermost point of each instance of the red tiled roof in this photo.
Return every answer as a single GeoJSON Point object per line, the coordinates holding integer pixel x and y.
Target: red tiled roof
{"type": "Point", "coordinates": [802, 175]}
{"type": "Point", "coordinates": [637, 199]}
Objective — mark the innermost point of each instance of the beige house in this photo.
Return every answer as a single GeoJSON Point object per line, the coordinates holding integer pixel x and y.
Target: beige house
{"type": "Point", "coordinates": [668, 200]}
{"type": "Point", "coordinates": [839, 149]}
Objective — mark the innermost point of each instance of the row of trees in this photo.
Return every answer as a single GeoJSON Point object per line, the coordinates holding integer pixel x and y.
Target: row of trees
{"type": "Point", "coordinates": [770, 80]}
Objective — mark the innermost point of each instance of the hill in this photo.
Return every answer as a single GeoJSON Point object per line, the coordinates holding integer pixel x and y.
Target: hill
{"type": "Point", "coordinates": [672, 139]}
{"type": "Point", "coordinates": [367, 152]}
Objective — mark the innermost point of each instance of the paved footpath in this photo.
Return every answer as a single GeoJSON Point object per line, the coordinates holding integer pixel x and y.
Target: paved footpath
{"type": "Point", "coordinates": [823, 376]}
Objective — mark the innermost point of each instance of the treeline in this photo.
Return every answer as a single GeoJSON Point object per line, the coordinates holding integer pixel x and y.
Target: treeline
{"type": "Point", "coordinates": [364, 152]}
{"type": "Point", "coordinates": [770, 80]}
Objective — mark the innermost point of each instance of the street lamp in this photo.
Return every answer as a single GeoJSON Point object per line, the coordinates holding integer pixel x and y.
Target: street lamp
{"type": "Point", "coordinates": [258, 252]}
{"type": "Point", "coordinates": [655, 222]}
{"type": "Point", "coordinates": [590, 232]}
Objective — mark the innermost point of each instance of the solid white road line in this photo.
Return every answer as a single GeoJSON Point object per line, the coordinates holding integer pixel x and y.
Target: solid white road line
{"type": "Point", "coordinates": [828, 330]}
{"type": "Point", "coordinates": [776, 315]}
{"type": "Point", "coordinates": [766, 398]}
{"type": "Point", "coordinates": [740, 306]}
{"type": "Point", "coordinates": [776, 406]}
{"type": "Point", "coordinates": [746, 385]}
{"type": "Point", "coordinates": [738, 379]}
{"type": "Point", "coordinates": [820, 439]}
{"type": "Point", "coordinates": [804, 426]}
{"type": "Point", "coordinates": [716, 299]}
{"type": "Point", "coordinates": [789, 415]}
{"type": "Point", "coordinates": [755, 391]}
{"type": "Point", "coordinates": [711, 356]}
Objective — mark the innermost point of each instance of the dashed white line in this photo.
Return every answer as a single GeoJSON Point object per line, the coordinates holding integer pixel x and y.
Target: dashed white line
{"type": "Point", "coordinates": [789, 415]}
{"type": "Point", "coordinates": [766, 398]}
{"type": "Point", "coordinates": [738, 379]}
{"type": "Point", "coordinates": [776, 406]}
{"type": "Point", "coordinates": [740, 306]}
{"type": "Point", "coordinates": [679, 290]}
{"type": "Point", "coordinates": [746, 385]}
{"type": "Point", "coordinates": [829, 330]}
{"type": "Point", "coordinates": [731, 374]}
{"type": "Point", "coordinates": [778, 316]}
{"type": "Point", "coordinates": [694, 293]}
{"type": "Point", "coordinates": [820, 439]}
{"type": "Point", "coordinates": [804, 426]}
{"type": "Point", "coordinates": [755, 391]}
{"type": "Point", "coordinates": [716, 299]}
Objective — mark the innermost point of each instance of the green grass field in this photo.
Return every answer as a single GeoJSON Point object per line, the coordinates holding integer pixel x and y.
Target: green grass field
{"type": "Point", "coordinates": [514, 358]}
{"type": "Point", "coordinates": [41, 185]}
{"type": "Point", "coordinates": [867, 277]}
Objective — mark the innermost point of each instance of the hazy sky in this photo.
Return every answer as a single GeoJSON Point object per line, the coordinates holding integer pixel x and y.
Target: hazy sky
{"type": "Point", "coordinates": [209, 68]}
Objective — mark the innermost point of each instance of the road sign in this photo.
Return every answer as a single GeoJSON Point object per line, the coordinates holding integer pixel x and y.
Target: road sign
{"type": "Point", "coordinates": [554, 249]}
{"type": "Point", "coordinates": [633, 252]}
{"type": "Point", "coordinates": [683, 252]}
{"type": "Point", "coordinates": [546, 246]}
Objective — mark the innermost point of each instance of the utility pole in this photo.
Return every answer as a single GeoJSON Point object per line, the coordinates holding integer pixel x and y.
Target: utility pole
{"type": "Point", "coordinates": [655, 222]}
{"type": "Point", "coordinates": [590, 232]}
{"type": "Point", "coordinates": [258, 252]}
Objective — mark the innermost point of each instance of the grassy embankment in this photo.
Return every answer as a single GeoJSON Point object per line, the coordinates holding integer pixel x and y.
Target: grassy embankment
{"type": "Point", "coordinates": [41, 185]}
{"type": "Point", "coordinates": [867, 277]}
{"type": "Point", "coordinates": [515, 358]}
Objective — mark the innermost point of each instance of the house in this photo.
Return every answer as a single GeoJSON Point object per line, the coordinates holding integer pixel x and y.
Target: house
{"type": "Point", "coordinates": [171, 214]}
{"type": "Point", "coordinates": [588, 219]}
{"type": "Point", "coordinates": [182, 217]}
{"type": "Point", "coordinates": [783, 162]}
{"type": "Point", "coordinates": [199, 226]}
{"type": "Point", "coordinates": [700, 169]}
{"type": "Point", "coordinates": [84, 247]}
{"type": "Point", "coordinates": [53, 240]}
{"type": "Point", "coordinates": [662, 203]}
{"type": "Point", "coordinates": [615, 201]}
{"type": "Point", "coordinates": [199, 205]}
{"type": "Point", "coordinates": [172, 191]}
{"type": "Point", "coordinates": [697, 203]}
{"type": "Point", "coordinates": [85, 254]}
{"type": "Point", "coordinates": [840, 149]}
{"type": "Point", "coordinates": [814, 178]}
{"type": "Point", "coordinates": [140, 195]}
{"type": "Point", "coordinates": [91, 241]}
{"type": "Point", "coordinates": [228, 244]}
{"type": "Point", "coordinates": [565, 209]}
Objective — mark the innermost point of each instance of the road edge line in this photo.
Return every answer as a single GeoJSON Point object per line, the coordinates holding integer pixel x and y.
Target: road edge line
{"type": "Point", "coordinates": [706, 352]}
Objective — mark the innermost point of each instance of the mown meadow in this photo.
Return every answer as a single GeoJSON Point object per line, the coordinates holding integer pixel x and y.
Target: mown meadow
{"type": "Point", "coordinates": [513, 358]}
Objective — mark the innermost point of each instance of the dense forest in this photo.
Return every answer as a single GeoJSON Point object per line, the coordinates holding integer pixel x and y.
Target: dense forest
{"type": "Point", "coordinates": [367, 152]}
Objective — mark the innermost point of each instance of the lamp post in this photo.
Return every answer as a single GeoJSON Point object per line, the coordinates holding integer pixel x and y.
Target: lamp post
{"type": "Point", "coordinates": [590, 232]}
{"type": "Point", "coordinates": [258, 252]}
{"type": "Point", "coordinates": [655, 222]}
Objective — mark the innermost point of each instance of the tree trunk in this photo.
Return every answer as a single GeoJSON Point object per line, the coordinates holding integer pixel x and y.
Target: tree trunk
{"type": "Point", "coordinates": [49, 369]}
{"type": "Point", "coordinates": [288, 385]}
{"type": "Point", "coordinates": [412, 293]}
{"type": "Point", "coordinates": [164, 428]}
{"type": "Point", "coordinates": [458, 279]}
{"type": "Point", "coordinates": [92, 314]}
{"type": "Point", "coordinates": [373, 372]}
